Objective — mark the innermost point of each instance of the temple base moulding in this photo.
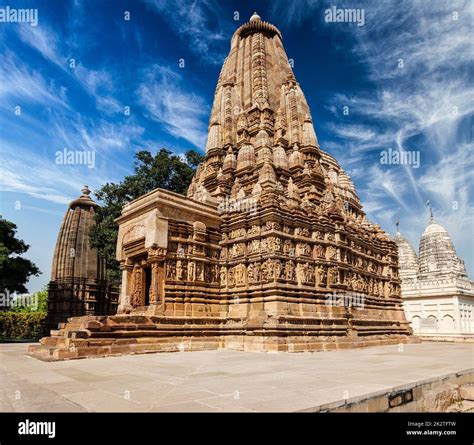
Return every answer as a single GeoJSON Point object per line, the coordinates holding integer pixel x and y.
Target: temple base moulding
{"type": "Point", "coordinates": [86, 337]}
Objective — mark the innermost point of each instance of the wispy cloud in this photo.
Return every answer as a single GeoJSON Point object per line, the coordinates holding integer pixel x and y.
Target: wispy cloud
{"type": "Point", "coordinates": [165, 99]}
{"type": "Point", "coordinates": [54, 124]}
{"type": "Point", "coordinates": [99, 84]}
{"type": "Point", "coordinates": [295, 12]}
{"type": "Point", "coordinates": [44, 41]}
{"type": "Point", "coordinates": [199, 23]}
{"type": "Point", "coordinates": [20, 83]}
{"type": "Point", "coordinates": [39, 178]}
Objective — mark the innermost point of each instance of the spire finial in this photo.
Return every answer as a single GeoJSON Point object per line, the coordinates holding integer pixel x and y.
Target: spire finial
{"type": "Point", "coordinates": [428, 204]}
{"type": "Point", "coordinates": [86, 191]}
{"type": "Point", "coordinates": [398, 224]}
{"type": "Point", "coordinates": [255, 17]}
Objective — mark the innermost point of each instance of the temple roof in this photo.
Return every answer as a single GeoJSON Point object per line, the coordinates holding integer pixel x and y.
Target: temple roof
{"type": "Point", "coordinates": [407, 258]}
{"type": "Point", "coordinates": [84, 200]}
{"type": "Point", "coordinates": [437, 253]}
{"type": "Point", "coordinates": [256, 24]}
{"type": "Point", "coordinates": [261, 132]}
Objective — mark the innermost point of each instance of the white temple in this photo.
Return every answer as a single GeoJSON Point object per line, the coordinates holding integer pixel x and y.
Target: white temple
{"type": "Point", "coordinates": [438, 296]}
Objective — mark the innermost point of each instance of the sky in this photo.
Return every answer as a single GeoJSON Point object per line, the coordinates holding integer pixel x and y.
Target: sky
{"type": "Point", "coordinates": [111, 77]}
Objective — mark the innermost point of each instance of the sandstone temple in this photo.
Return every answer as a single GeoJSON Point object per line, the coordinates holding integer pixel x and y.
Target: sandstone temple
{"type": "Point", "coordinates": [270, 250]}
{"type": "Point", "coordinates": [78, 283]}
{"type": "Point", "coordinates": [438, 296]}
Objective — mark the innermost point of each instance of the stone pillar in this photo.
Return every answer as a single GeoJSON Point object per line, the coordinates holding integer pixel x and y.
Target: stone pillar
{"type": "Point", "coordinates": [137, 294]}
{"type": "Point", "coordinates": [156, 257]}
{"type": "Point", "coordinates": [124, 298]}
{"type": "Point", "coordinates": [155, 280]}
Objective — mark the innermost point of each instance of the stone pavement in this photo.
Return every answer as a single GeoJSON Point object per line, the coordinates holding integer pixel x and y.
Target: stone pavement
{"type": "Point", "coordinates": [221, 380]}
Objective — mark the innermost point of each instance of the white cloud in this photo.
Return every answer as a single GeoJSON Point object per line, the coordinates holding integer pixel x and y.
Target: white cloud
{"type": "Point", "coordinates": [28, 174]}
{"type": "Point", "coordinates": [20, 84]}
{"type": "Point", "coordinates": [165, 100]}
{"type": "Point", "coordinates": [192, 20]}
{"type": "Point", "coordinates": [44, 41]}
{"type": "Point", "coordinates": [99, 84]}
{"type": "Point", "coordinates": [37, 175]}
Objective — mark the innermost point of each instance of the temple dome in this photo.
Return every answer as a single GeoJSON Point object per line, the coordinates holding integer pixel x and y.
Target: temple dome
{"type": "Point", "coordinates": [280, 158]}
{"type": "Point", "coordinates": [262, 139]}
{"type": "Point", "coordinates": [84, 200]}
{"type": "Point", "coordinates": [74, 258]}
{"type": "Point", "coordinates": [254, 25]}
{"type": "Point", "coordinates": [437, 253]}
{"type": "Point", "coordinates": [407, 258]}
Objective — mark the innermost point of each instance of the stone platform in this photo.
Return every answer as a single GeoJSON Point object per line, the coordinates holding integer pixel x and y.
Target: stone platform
{"type": "Point", "coordinates": [86, 337]}
{"type": "Point", "coordinates": [223, 380]}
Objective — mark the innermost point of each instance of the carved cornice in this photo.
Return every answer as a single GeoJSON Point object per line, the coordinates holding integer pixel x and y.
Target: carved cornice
{"type": "Point", "coordinates": [258, 26]}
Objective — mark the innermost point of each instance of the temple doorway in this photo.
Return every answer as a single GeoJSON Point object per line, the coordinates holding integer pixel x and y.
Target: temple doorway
{"type": "Point", "coordinates": [147, 285]}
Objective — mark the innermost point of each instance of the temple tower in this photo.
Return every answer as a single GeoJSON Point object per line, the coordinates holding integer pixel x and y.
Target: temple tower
{"type": "Point", "coordinates": [269, 251]}
{"type": "Point", "coordinates": [78, 283]}
{"type": "Point", "coordinates": [261, 126]}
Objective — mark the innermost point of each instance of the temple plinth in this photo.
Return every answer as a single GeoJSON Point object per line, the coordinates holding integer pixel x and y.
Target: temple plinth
{"type": "Point", "coordinates": [270, 250]}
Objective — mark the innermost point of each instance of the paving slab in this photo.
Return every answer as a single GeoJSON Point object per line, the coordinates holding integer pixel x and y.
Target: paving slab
{"type": "Point", "coordinates": [218, 381]}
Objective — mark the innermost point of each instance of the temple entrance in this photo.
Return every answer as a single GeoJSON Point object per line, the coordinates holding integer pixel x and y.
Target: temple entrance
{"type": "Point", "coordinates": [147, 271]}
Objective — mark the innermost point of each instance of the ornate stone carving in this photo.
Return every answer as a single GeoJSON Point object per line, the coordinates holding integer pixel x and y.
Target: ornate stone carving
{"type": "Point", "coordinates": [261, 147]}
{"type": "Point", "coordinates": [136, 298]}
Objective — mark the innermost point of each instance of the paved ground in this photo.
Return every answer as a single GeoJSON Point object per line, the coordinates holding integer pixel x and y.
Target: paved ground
{"type": "Point", "coordinates": [218, 380]}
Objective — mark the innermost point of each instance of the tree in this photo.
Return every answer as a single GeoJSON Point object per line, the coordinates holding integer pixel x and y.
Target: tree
{"type": "Point", "coordinates": [14, 270]}
{"type": "Point", "coordinates": [163, 170]}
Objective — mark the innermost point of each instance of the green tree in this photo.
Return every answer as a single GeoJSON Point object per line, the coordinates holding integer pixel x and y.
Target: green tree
{"type": "Point", "coordinates": [162, 170]}
{"type": "Point", "coordinates": [14, 270]}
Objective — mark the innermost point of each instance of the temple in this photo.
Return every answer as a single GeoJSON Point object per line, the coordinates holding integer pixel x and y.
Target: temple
{"type": "Point", "coordinates": [270, 250]}
{"type": "Point", "coordinates": [438, 296]}
{"type": "Point", "coordinates": [78, 283]}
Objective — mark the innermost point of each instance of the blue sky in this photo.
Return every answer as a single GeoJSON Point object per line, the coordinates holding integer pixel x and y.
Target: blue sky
{"type": "Point", "coordinates": [405, 76]}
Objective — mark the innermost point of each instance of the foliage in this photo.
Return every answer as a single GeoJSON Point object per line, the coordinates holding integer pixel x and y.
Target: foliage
{"type": "Point", "coordinates": [163, 170]}
{"type": "Point", "coordinates": [42, 302]}
{"type": "Point", "coordinates": [20, 325]}
{"type": "Point", "coordinates": [14, 270]}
